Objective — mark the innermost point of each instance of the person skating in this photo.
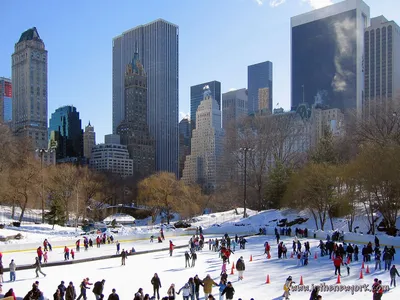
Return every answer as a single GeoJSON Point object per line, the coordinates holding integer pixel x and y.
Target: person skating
{"type": "Point", "coordinates": [62, 289]}
{"type": "Point", "coordinates": [187, 259]}
{"type": "Point", "coordinates": [347, 268]}
{"type": "Point", "coordinates": [113, 295]}
{"type": "Point", "coordinates": [12, 266]}
{"type": "Point", "coordinates": [337, 262]}
{"type": "Point", "coordinates": [314, 293]}
{"type": "Point", "coordinates": [208, 285]}
{"type": "Point", "coordinates": [171, 248]}
{"type": "Point", "coordinates": [34, 293]}
{"type": "Point", "coordinates": [240, 267]}
{"type": "Point", "coordinates": [78, 243]}
{"type": "Point", "coordinates": [393, 273]}
{"type": "Point", "coordinates": [84, 287]}
{"type": "Point", "coordinates": [98, 289]}
{"type": "Point", "coordinates": [229, 291]}
{"type": "Point", "coordinates": [66, 253]}
{"type": "Point", "coordinates": [156, 282]}
{"type": "Point", "coordinates": [39, 254]}
{"type": "Point", "coordinates": [139, 295]}
{"type": "Point", "coordinates": [222, 286]}
{"type": "Point", "coordinates": [57, 295]}
{"type": "Point", "coordinates": [197, 283]}
{"type": "Point", "coordinates": [70, 293]}
{"type": "Point", "coordinates": [185, 291]}
{"type": "Point", "coordinates": [10, 294]}
{"type": "Point", "coordinates": [45, 256]}
{"type": "Point", "coordinates": [378, 260]}
{"type": "Point", "coordinates": [194, 258]}
{"type": "Point", "coordinates": [124, 255]}
{"type": "Point", "coordinates": [38, 267]}
{"type": "Point", "coordinates": [72, 254]}
{"type": "Point", "coordinates": [192, 288]}
{"type": "Point", "coordinates": [287, 286]}
{"type": "Point", "coordinates": [171, 292]}
{"type": "Point", "coordinates": [118, 245]}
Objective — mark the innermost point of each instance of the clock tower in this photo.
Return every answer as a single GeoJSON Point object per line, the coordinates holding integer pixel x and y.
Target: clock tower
{"type": "Point", "coordinates": [29, 77]}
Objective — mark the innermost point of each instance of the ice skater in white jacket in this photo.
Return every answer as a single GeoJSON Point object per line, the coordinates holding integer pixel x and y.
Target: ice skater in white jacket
{"type": "Point", "coordinates": [185, 291]}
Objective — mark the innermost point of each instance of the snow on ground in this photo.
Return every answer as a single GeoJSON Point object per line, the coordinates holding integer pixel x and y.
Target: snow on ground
{"type": "Point", "coordinates": [140, 269]}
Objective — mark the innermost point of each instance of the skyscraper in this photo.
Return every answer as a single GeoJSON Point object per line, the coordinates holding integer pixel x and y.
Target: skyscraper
{"type": "Point", "coordinates": [234, 107]}
{"type": "Point", "coordinates": [5, 100]}
{"type": "Point", "coordinates": [65, 131]}
{"type": "Point", "coordinates": [259, 76]}
{"type": "Point", "coordinates": [327, 56]}
{"type": "Point", "coordinates": [197, 95]}
{"type": "Point", "coordinates": [204, 164]}
{"type": "Point", "coordinates": [382, 61]}
{"type": "Point", "coordinates": [89, 141]}
{"type": "Point", "coordinates": [29, 77]}
{"type": "Point", "coordinates": [158, 45]}
{"type": "Point", "coordinates": [134, 129]}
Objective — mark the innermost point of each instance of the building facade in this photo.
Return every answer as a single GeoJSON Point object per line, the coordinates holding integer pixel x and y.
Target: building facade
{"type": "Point", "coordinates": [234, 107]}
{"type": "Point", "coordinates": [259, 76]}
{"type": "Point", "coordinates": [65, 132]}
{"type": "Point", "coordinates": [382, 63]}
{"type": "Point", "coordinates": [134, 129]}
{"type": "Point", "coordinates": [322, 119]}
{"type": "Point", "coordinates": [204, 165]}
{"type": "Point", "coordinates": [160, 62]}
{"type": "Point", "coordinates": [89, 140]}
{"type": "Point", "coordinates": [29, 78]}
{"type": "Point", "coordinates": [197, 95]}
{"type": "Point", "coordinates": [5, 100]}
{"type": "Point", "coordinates": [184, 143]}
{"type": "Point", "coordinates": [112, 157]}
{"type": "Point", "coordinates": [327, 51]}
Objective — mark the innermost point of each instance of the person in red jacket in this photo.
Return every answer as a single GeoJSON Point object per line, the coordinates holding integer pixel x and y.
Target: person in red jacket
{"type": "Point", "coordinates": [39, 254]}
{"type": "Point", "coordinates": [10, 293]}
{"type": "Point", "coordinates": [337, 262]}
{"type": "Point", "coordinates": [66, 253]}
{"type": "Point", "coordinates": [72, 254]}
{"type": "Point", "coordinates": [171, 248]}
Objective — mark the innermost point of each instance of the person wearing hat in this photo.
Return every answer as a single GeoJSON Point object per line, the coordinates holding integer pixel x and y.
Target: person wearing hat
{"type": "Point", "coordinates": [70, 293]}
{"type": "Point", "coordinates": [62, 289]}
{"type": "Point", "coordinates": [240, 267]}
{"type": "Point", "coordinates": [113, 295]}
{"type": "Point", "coordinates": [229, 291]}
{"type": "Point", "coordinates": [286, 287]}
{"type": "Point", "coordinates": [208, 285]}
{"type": "Point", "coordinates": [98, 289]}
{"type": "Point", "coordinates": [185, 291]}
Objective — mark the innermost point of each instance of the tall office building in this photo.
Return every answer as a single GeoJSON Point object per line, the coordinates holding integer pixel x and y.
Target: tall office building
{"type": "Point", "coordinates": [5, 100]}
{"type": "Point", "coordinates": [184, 143]}
{"type": "Point", "coordinates": [204, 165]}
{"type": "Point", "coordinates": [158, 45]}
{"type": "Point", "coordinates": [234, 107]}
{"type": "Point", "coordinates": [65, 132]}
{"type": "Point", "coordinates": [89, 141]}
{"type": "Point", "coordinates": [382, 62]}
{"type": "Point", "coordinates": [197, 95]}
{"type": "Point", "coordinates": [327, 54]}
{"type": "Point", "coordinates": [259, 76]}
{"type": "Point", "coordinates": [134, 129]}
{"type": "Point", "coordinates": [29, 78]}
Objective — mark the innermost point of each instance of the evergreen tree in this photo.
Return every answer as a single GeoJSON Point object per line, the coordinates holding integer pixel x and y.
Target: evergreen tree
{"type": "Point", "coordinates": [278, 180]}
{"type": "Point", "coordinates": [325, 150]}
{"type": "Point", "coordinates": [56, 215]}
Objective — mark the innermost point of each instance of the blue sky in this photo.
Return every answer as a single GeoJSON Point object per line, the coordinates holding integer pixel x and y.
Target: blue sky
{"type": "Point", "coordinates": [218, 40]}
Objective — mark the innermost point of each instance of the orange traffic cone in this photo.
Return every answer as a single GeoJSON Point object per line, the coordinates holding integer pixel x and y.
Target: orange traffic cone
{"type": "Point", "coordinates": [269, 256]}
{"type": "Point", "coordinates": [367, 270]}
{"type": "Point", "coordinates": [361, 275]}
{"type": "Point", "coordinates": [267, 281]}
{"type": "Point", "coordinates": [232, 271]}
{"type": "Point", "coordinates": [251, 257]}
{"type": "Point", "coordinates": [315, 255]}
{"type": "Point", "coordinates": [301, 280]}
{"type": "Point", "coordinates": [233, 265]}
{"type": "Point", "coordinates": [292, 255]}
{"type": "Point", "coordinates": [362, 265]}
{"type": "Point", "coordinates": [338, 280]}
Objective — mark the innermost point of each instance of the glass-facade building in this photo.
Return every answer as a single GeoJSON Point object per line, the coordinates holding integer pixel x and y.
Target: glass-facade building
{"type": "Point", "coordinates": [65, 132]}
{"type": "Point", "coordinates": [327, 53]}
{"type": "Point", "coordinates": [259, 76]}
{"type": "Point", "coordinates": [197, 94]}
{"type": "Point", "coordinates": [158, 46]}
{"type": "Point", "coordinates": [5, 100]}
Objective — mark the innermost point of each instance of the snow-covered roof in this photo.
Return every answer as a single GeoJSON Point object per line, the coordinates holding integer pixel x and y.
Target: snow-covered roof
{"type": "Point", "coordinates": [119, 218]}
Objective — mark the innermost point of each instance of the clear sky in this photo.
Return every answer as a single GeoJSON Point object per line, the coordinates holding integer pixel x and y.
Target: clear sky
{"type": "Point", "coordinates": [218, 39]}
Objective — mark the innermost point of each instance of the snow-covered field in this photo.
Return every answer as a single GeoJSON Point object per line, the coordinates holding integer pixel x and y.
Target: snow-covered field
{"type": "Point", "coordinates": [139, 270]}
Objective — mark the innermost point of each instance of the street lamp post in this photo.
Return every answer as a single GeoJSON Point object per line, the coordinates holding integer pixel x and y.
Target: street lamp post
{"type": "Point", "coordinates": [42, 152]}
{"type": "Point", "coordinates": [245, 150]}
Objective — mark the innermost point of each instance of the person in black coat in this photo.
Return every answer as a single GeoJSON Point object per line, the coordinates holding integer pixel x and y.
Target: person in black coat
{"type": "Point", "coordinates": [98, 289]}
{"type": "Point", "coordinates": [113, 295]}
{"type": "Point", "coordinates": [155, 281]}
{"type": "Point", "coordinates": [229, 291]}
{"type": "Point", "coordinates": [197, 283]}
{"type": "Point", "coordinates": [62, 289]}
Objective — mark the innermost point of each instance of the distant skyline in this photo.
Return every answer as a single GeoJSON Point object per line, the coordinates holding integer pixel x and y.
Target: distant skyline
{"type": "Point", "coordinates": [214, 44]}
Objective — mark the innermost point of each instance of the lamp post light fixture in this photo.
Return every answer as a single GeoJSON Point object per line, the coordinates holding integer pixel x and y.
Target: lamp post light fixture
{"type": "Point", "coordinates": [245, 150]}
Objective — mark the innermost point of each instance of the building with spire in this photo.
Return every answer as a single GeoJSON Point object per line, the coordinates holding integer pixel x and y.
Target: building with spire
{"type": "Point", "coordinates": [134, 129]}
{"type": "Point", "coordinates": [29, 78]}
{"type": "Point", "coordinates": [89, 140]}
{"type": "Point", "coordinates": [204, 165]}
